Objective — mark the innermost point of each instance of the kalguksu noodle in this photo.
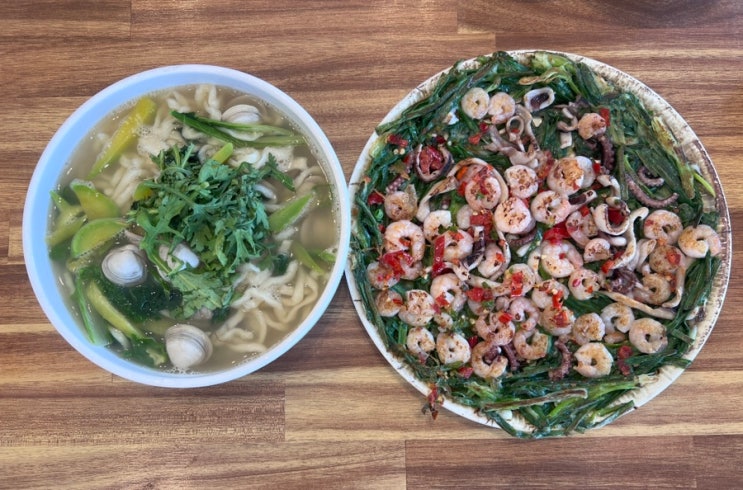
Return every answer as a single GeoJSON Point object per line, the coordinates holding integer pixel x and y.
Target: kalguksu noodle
{"type": "Point", "coordinates": [218, 315]}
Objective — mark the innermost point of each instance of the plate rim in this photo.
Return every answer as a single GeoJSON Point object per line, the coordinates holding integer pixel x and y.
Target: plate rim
{"type": "Point", "coordinates": [689, 142]}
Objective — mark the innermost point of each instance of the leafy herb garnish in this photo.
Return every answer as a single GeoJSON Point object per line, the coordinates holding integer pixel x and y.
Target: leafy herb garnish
{"type": "Point", "coordinates": [213, 208]}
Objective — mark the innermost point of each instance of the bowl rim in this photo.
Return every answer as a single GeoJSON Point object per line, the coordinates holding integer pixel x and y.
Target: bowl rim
{"type": "Point", "coordinates": [55, 158]}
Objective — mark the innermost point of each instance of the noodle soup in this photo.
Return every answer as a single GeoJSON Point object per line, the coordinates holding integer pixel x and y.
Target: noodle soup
{"type": "Point", "coordinates": [193, 229]}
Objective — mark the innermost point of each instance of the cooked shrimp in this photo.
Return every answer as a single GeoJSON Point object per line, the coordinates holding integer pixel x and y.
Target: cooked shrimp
{"type": "Point", "coordinates": [590, 125]}
{"type": "Point", "coordinates": [446, 290]}
{"type": "Point", "coordinates": [502, 107]}
{"type": "Point", "coordinates": [567, 175]}
{"type": "Point", "coordinates": [464, 216]}
{"type": "Point", "coordinates": [452, 347]}
{"type": "Point", "coordinates": [596, 249]}
{"type": "Point", "coordinates": [514, 216]}
{"type": "Point", "coordinates": [519, 279]}
{"type": "Point", "coordinates": [665, 259]}
{"type": "Point", "coordinates": [418, 309]}
{"type": "Point", "coordinates": [594, 360]}
{"type": "Point", "coordinates": [560, 259]}
{"type": "Point", "coordinates": [405, 236]}
{"type": "Point", "coordinates": [581, 227]}
{"type": "Point", "coordinates": [524, 313]}
{"type": "Point", "coordinates": [655, 290]}
{"type": "Point", "coordinates": [457, 245]}
{"type": "Point", "coordinates": [388, 302]}
{"type": "Point", "coordinates": [617, 316]}
{"type": "Point", "coordinates": [483, 192]}
{"type": "Point", "coordinates": [648, 335]}
{"type": "Point", "coordinates": [663, 226]}
{"type": "Point", "coordinates": [420, 342]}
{"type": "Point", "coordinates": [584, 283]}
{"type": "Point", "coordinates": [436, 223]}
{"type": "Point", "coordinates": [696, 241]}
{"type": "Point", "coordinates": [401, 205]}
{"type": "Point", "coordinates": [587, 328]}
{"type": "Point", "coordinates": [487, 360]}
{"type": "Point", "coordinates": [547, 292]}
{"type": "Point", "coordinates": [475, 103]}
{"type": "Point", "coordinates": [557, 319]}
{"type": "Point", "coordinates": [522, 181]}
{"type": "Point", "coordinates": [494, 262]}
{"type": "Point", "coordinates": [495, 327]}
{"type": "Point", "coordinates": [531, 344]}
{"type": "Point", "coordinates": [550, 207]}
{"type": "Point", "coordinates": [380, 276]}
{"type": "Point", "coordinates": [443, 320]}
{"type": "Point", "coordinates": [411, 272]}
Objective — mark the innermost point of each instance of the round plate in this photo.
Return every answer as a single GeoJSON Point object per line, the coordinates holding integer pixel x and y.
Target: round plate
{"type": "Point", "coordinates": [693, 150]}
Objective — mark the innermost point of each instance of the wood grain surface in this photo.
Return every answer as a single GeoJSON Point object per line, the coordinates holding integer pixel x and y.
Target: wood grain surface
{"type": "Point", "coordinates": [332, 413]}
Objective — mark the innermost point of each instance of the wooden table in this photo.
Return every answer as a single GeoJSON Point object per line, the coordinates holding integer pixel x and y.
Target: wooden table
{"type": "Point", "coordinates": [332, 413]}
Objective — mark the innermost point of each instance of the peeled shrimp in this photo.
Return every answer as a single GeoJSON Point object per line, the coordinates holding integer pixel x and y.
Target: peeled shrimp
{"type": "Point", "coordinates": [457, 245]}
{"type": "Point", "coordinates": [557, 319]}
{"type": "Point", "coordinates": [531, 344]}
{"type": "Point", "coordinates": [663, 226]}
{"type": "Point", "coordinates": [380, 276]}
{"type": "Point", "coordinates": [494, 262]}
{"type": "Point", "coordinates": [522, 181]}
{"type": "Point", "coordinates": [487, 361]}
{"type": "Point", "coordinates": [514, 216]}
{"type": "Point", "coordinates": [483, 192]}
{"type": "Point", "coordinates": [696, 241]}
{"type": "Point", "coordinates": [405, 236]}
{"type": "Point", "coordinates": [548, 292]}
{"type": "Point", "coordinates": [388, 302]}
{"type": "Point", "coordinates": [419, 308]}
{"type": "Point", "coordinates": [581, 227]}
{"type": "Point", "coordinates": [594, 360]}
{"type": "Point", "coordinates": [446, 290]}
{"type": "Point", "coordinates": [550, 207]}
{"type": "Point", "coordinates": [587, 328]}
{"type": "Point", "coordinates": [596, 249]}
{"type": "Point", "coordinates": [648, 335]}
{"type": "Point", "coordinates": [495, 327]}
{"type": "Point", "coordinates": [655, 289]}
{"type": "Point", "coordinates": [475, 103]}
{"type": "Point", "coordinates": [452, 347]}
{"type": "Point", "coordinates": [568, 174]}
{"type": "Point", "coordinates": [665, 259]}
{"type": "Point", "coordinates": [524, 312]}
{"type": "Point", "coordinates": [420, 342]}
{"type": "Point", "coordinates": [590, 125]}
{"type": "Point", "coordinates": [501, 107]}
{"type": "Point", "coordinates": [584, 283]}
{"type": "Point", "coordinates": [560, 259]}
{"type": "Point", "coordinates": [435, 223]}
{"type": "Point", "coordinates": [617, 316]}
{"type": "Point", "coordinates": [401, 205]}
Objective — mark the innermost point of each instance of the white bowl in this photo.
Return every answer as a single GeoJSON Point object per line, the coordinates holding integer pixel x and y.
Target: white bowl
{"type": "Point", "coordinates": [58, 152]}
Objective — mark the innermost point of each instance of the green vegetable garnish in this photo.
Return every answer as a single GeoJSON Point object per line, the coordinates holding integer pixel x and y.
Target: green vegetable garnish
{"type": "Point", "coordinates": [216, 210]}
{"type": "Point", "coordinates": [125, 135]}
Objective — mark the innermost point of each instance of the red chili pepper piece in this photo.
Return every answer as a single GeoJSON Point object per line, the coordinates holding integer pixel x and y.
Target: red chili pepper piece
{"type": "Point", "coordinates": [396, 139]}
{"type": "Point", "coordinates": [430, 160]}
{"type": "Point", "coordinates": [439, 246]}
{"type": "Point", "coordinates": [375, 197]}
{"type": "Point", "coordinates": [557, 233]}
{"type": "Point", "coordinates": [465, 371]}
{"type": "Point", "coordinates": [605, 115]}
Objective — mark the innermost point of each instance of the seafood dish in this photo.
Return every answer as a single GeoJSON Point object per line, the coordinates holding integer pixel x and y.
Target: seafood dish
{"type": "Point", "coordinates": [540, 242]}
